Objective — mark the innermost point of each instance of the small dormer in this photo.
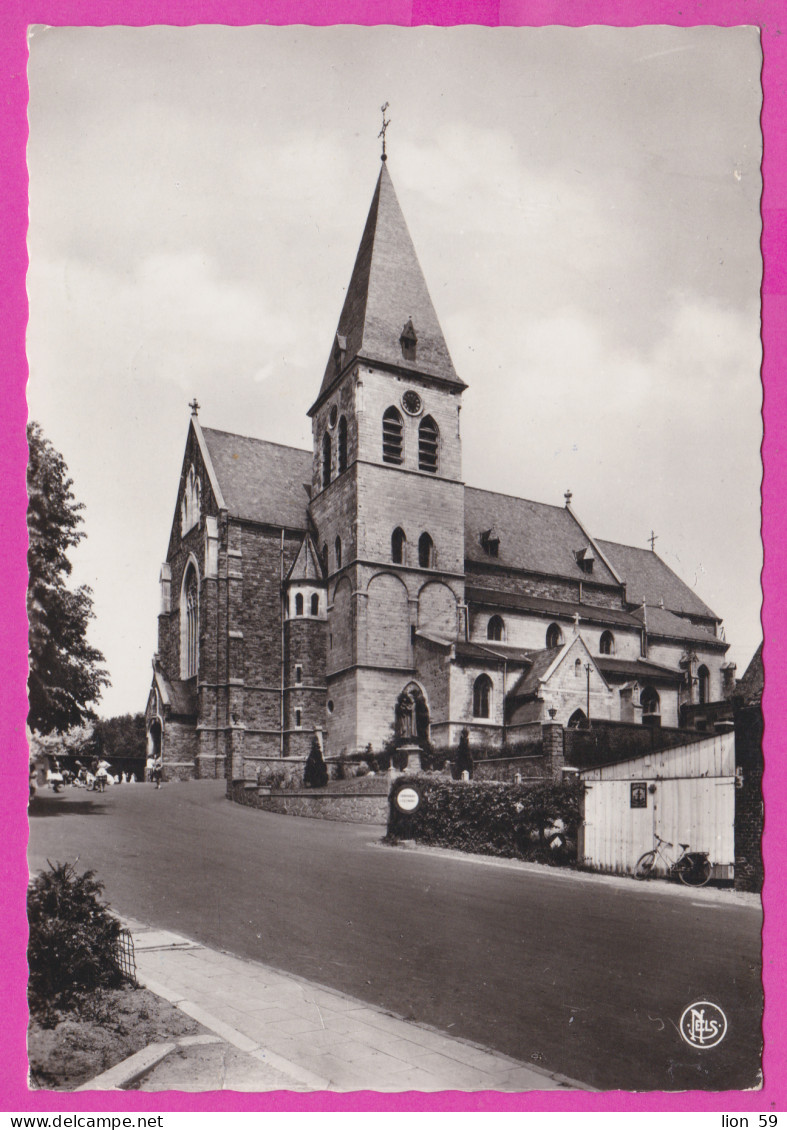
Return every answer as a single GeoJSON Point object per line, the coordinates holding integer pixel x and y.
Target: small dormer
{"type": "Point", "coordinates": [339, 352]}
{"type": "Point", "coordinates": [408, 340]}
{"type": "Point", "coordinates": [585, 559]}
{"type": "Point", "coordinates": [490, 542]}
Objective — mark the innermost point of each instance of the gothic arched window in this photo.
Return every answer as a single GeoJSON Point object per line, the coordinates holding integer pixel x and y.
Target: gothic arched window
{"type": "Point", "coordinates": [189, 623]}
{"type": "Point", "coordinates": [577, 668]}
{"type": "Point", "coordinates": [428, 439]}
{"type": "Point", "coordinates": [326, 459]}
{"type": "Point", "coordinates": [393, 436]}
{"type": "Point", "coordinates": [315, 604]}
{"type": "Point", "coordinates": [703, 678]}
{"type": "Point", "coordinates": [554, 636]}
{"type": "Point", "coordinates": [578, 721]}
{"type": "Point", "coordinates": [299, 604]}
{"type": "Point", "coordinates": [482, 689]}
{"type": "Point", "coordinates": [496, 629]}
{"type": "Point", "coordinates": [650, 702]}
{"type": "Point", "coordinates": [324, 556]}
{"type": "Point", "coordinates": [342, 452]}
{"type": "Point", "coordinates": [398, 543]}
{"type": "Point", "coordinates": [337, 545]}
{"type": "Point", "coordinates": [425, 551]}
{"type": "Point", "coordinates": [607, 644]}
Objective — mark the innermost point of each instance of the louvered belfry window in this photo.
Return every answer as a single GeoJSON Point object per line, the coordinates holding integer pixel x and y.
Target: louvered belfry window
{"type": "Point", "coordinates": [392, 436]}
{"type": "Point", "coordinates": [428, 436]}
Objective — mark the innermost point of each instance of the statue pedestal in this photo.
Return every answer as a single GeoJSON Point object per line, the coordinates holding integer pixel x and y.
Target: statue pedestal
{"type": "Point", "coordinates": [413, 758]}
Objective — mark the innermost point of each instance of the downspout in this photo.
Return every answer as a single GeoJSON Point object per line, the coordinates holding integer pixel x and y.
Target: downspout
{"type": "Point", "coordinates": [281, 665]}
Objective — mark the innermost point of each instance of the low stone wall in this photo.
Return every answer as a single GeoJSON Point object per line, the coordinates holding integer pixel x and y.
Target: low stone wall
{"type": "Point", "coordinates": [316, 804]}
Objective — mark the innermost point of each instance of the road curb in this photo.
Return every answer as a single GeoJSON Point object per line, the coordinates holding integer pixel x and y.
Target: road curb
{"type": "Point", "coordinates": [123, 1074]}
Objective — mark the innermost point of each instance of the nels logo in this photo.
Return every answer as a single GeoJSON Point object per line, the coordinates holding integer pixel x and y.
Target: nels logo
{"type": "Point", "coordinates": [703, 1025]}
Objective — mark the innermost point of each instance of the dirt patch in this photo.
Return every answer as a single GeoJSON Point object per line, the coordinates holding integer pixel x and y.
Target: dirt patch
{"type": "Point", "coordinates": [105, 1030]}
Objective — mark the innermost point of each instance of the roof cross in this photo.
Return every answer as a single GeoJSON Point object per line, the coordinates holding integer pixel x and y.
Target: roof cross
{"type": "Point", "coordinates": [386, 123]}
{"type": "Point", "coordinates": [194, 406]}
{"type": "Point", "coordinates": [653, 539]}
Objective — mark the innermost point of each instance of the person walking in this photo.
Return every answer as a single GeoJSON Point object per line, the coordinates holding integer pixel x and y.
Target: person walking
{"type": "Point", "coordinates": [156, 772]}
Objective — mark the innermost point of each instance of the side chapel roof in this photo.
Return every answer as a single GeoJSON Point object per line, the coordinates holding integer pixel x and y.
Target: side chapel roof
{"type": "Point", "coordinates": [648, 577]}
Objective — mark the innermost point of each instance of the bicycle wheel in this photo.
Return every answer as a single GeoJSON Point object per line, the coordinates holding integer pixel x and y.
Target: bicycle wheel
{"type": "Point", "coordinates": [695, 871]}
{"type": "Point", "coordinates": [645, 865]}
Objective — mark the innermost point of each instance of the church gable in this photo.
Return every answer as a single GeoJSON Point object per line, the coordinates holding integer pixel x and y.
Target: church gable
{"type": "Point", "coordinates": [261, 482]}
{"type": "Point", "coordinates": [199, 496]}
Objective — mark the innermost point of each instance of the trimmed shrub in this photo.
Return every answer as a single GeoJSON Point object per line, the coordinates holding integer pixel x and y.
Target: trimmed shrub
{"type": "Point", "coordinates": [464, 758]}
{"type": "Point", "coordinates": [73, 939]}
{"type": "Point", "coordinates": [537, 822]}
{"type": "Point", "coordinates": [315, 771]}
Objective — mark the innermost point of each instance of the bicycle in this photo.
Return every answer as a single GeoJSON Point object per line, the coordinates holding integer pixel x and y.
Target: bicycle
{"type": "Point", "coordinates": [692, 867]}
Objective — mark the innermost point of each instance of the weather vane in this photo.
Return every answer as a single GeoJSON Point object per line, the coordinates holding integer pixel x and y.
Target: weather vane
{"type": "Point", "coordinates": [386, 123]}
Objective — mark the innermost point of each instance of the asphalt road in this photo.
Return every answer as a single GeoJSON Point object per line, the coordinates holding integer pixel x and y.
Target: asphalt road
{"type": "Point", "coordinates": [577, 974]}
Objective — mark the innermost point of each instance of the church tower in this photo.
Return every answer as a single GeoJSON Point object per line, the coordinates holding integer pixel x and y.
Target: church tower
{"type": "Point", "coordinates": [387, 491]}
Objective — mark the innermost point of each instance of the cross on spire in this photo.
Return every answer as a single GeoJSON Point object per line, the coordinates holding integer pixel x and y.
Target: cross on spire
{"type": "Point", "coordinates": [386, 123]}
{"type": "Point", "coordinates": [194, 406]}
{"type": "Point", "coordinates": [653, 539]}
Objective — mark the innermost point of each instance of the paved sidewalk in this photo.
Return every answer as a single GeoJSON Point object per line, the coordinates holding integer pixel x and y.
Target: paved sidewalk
{"type": "Point", "coordinates": [278, 1032]}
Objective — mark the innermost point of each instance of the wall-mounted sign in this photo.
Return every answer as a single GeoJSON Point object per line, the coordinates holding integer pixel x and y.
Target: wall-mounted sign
{"type": "Point", "coordinates": [639, 794]}
{"type": "Point", "coordinates": [407, 800]}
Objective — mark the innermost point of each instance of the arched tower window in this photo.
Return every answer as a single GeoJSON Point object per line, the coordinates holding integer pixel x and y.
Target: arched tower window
{"type": "Point", "coordinates": [554, 636]}
{"type": "Point", "coordinates": [324, 556]}
{"type": "Point", "coordinates": [299, 604]}
{"type": "Point", "coordinates": [607, 644]}
{"type": "Point", "coordinates": [393, 436]}
{"type": "Point", "coordinates": [189, 623]}
{"type": "Point", "coordinates": [496, 629]}
{"type": "Point", "coordinates": [337, 545]}
{"type": "Point", "coordinates": [425, 551]}
{"type": "Point", "coordinates": [482, 689]}
{"type": "Point", "coordinates": [703, 678]}
{"type": "Point", "coordinates": [342, 452]}
{"type": "Point", "coordinates": [428, 439]}
{"type": "Point", "coordinates": [315, 604]}
{"type": "Point", "coordinates": [398, 544]}
{"type": "Point", "coordinates": [326, 459]}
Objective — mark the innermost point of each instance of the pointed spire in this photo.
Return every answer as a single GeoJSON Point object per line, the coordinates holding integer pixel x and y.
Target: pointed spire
{"type": "Point", "coordinates": [387, 291]}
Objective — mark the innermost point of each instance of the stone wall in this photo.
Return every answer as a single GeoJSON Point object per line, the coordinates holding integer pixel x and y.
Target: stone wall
{"type": "Point", "coordinates": [360, 808]}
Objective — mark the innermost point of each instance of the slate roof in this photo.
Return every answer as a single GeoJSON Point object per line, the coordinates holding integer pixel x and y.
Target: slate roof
{"type": "Point", "coordinates": [306, 566]}
{"type": "Point", "coordinates": [662, 622]}
{"type": "Point", "coordinates": [588, 613]}
{"type": "Point", "coordinates": [636, 669]}
{"type": "Point", "coordinates": [542, 660]}
{"type": "Point", "coordinates": [261, 481]}
{"type": "Point", "coordinates": [182, 696]}
{"type": "Point", "coordinates": [467, 649]}
{"type": "Point", "coordinates": [387, 288]}
{"type": "Point", "coordinates": [750, 685]}
{"type": "Point", "coordinates": [534, 537]}
{"type": "Point", "coordinates": [647, 576]}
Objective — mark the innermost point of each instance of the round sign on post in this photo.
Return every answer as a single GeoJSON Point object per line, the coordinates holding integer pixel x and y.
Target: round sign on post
{"type": "Point", "coordinates": [407, 800]}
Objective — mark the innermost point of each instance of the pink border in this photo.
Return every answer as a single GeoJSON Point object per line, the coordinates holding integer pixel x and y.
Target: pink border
{"type": "Point", "coordinates": [15, 15]}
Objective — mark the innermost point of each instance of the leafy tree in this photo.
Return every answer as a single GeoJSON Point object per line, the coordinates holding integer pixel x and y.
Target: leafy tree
{"type": "Point", "coordinates": [66, 675]}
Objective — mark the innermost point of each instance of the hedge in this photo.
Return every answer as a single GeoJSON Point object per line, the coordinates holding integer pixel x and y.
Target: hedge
{"type": "Point", "coordinates": [537, 822]}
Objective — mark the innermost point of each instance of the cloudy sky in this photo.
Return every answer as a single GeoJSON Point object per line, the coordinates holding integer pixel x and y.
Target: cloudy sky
{"type": "Point", "coordinates": [585, 205]}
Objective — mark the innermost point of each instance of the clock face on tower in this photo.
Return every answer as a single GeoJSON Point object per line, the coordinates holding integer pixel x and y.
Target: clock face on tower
{"type": "Point", "coordinates": [411, 402]}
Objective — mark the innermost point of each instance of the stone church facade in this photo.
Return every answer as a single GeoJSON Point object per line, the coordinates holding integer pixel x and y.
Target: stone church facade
{"type": "Point", "coordinates": [361, 590]}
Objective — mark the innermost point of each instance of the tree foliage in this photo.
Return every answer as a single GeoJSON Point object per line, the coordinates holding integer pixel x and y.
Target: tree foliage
{"type": "Point", "coordinates": [66, 675]}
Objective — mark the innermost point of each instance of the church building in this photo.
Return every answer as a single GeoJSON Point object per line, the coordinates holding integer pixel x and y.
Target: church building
{"type": "Point", "coordinates": [360, 590]}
